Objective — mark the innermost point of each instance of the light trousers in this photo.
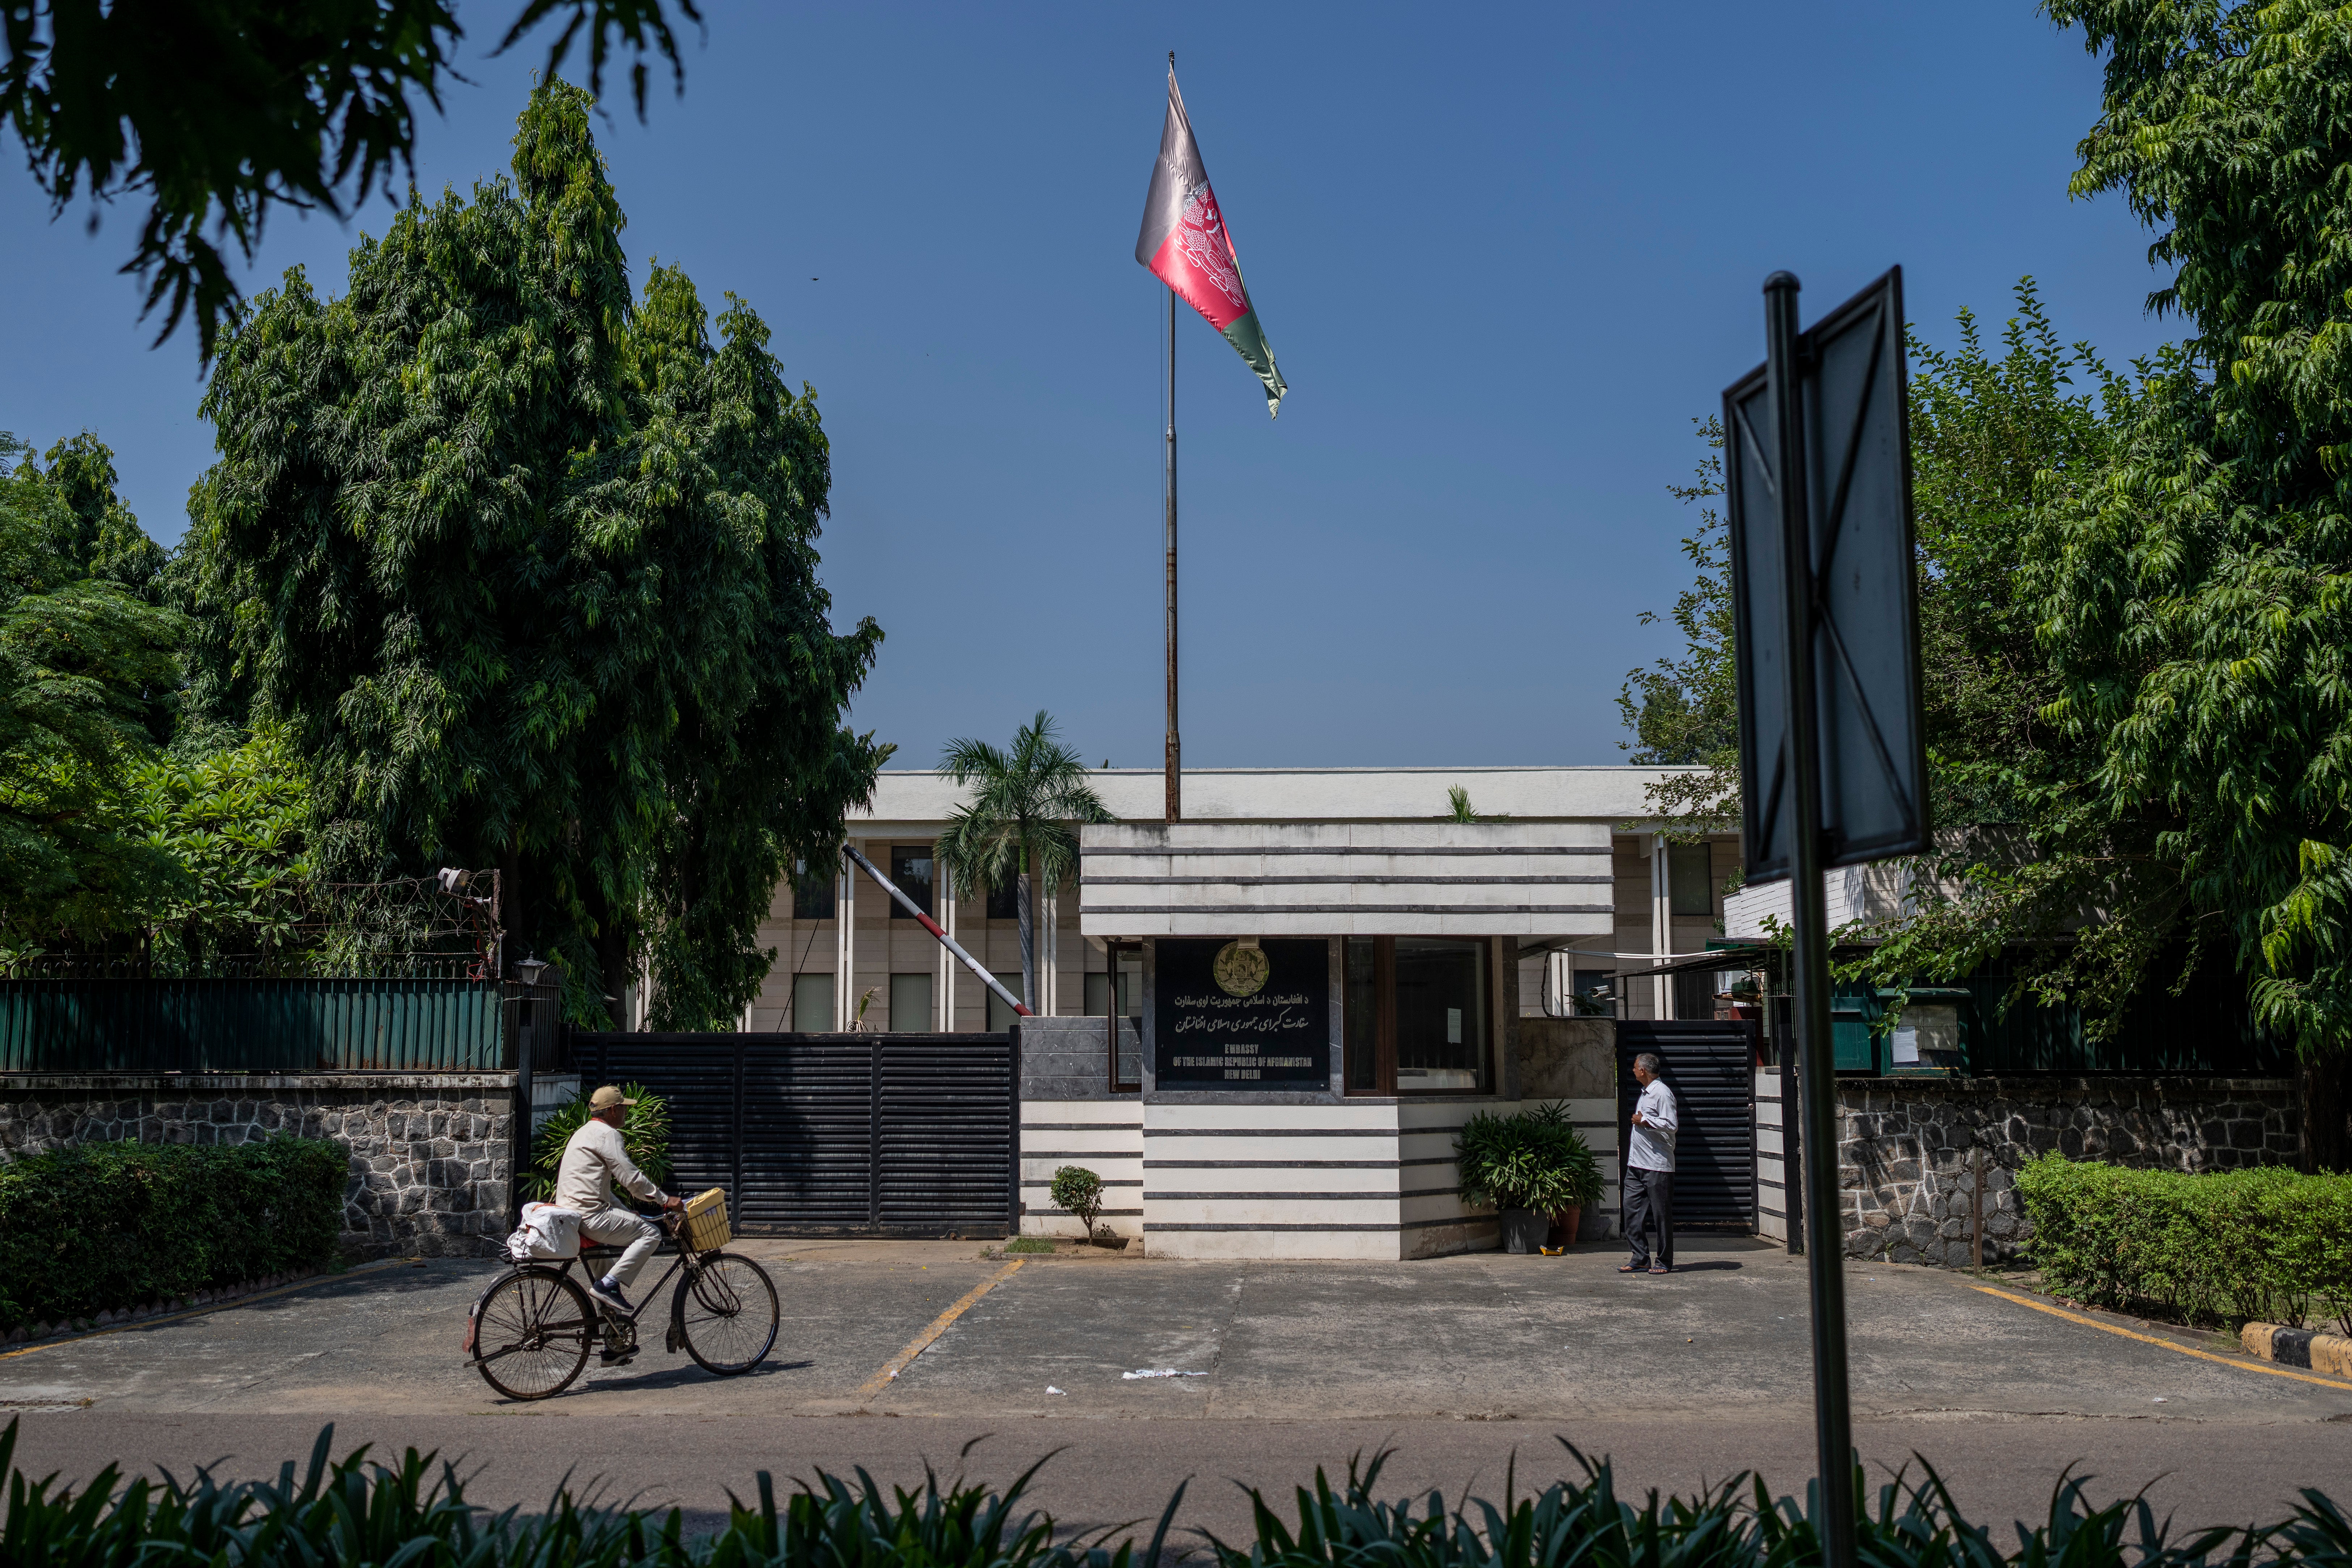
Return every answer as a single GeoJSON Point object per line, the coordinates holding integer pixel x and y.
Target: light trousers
{"type": "Point", "coordinates": [621, 1228]}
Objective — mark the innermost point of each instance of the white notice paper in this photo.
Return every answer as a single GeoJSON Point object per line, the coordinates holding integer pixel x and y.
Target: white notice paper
{"type": "Point", "coordinates": [1906, 1044]}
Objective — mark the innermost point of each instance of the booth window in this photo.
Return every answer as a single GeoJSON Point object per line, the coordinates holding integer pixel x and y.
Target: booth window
{"type": "Point", "coordinates": [1417, 1020]}
{"type": "Point", "coordinates": [911, 868]}
{"type": "Point", "coordinates": [1124, 962]}
{"type": "Point", "coordinates": [812, 896]}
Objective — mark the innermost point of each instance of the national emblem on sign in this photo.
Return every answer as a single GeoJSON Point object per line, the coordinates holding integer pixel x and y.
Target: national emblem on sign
{"type": "Point", "coordinates": [1240, 971]}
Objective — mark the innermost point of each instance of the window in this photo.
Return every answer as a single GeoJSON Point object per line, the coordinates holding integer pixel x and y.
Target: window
{"type": "Point", "coordinates": [1126, 970]}
{"type": "Point", "coordinates": [1416, 1016]}
{"type": "Point", "coordinates": [910, 1002]}
{"type": "Point", "coordinates": [1690, 879]}
{"type": "Point", "coordinates": [910, 868]}
{"type": "Point", "coordinates": [812, 895]}
{"type": "Point", "coordinates": [1594, 993]}
{"type": "Point", "coordinates": [1000, 1017]}
{"type": "Point", "coordinates": [1004, 903]}
{"type": "Point", "coordinates": [811, 1004]}
{"type": "Point", "coordinates": [1126, 962]}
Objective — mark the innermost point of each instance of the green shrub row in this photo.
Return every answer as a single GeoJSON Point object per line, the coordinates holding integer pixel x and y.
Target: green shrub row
{"type": "Point", "coordinates": [414, 1514]}
{"type": "Point", "coordinates": [2269, 1243]}
{"type": "Point", "coordinates": [101, 1227]}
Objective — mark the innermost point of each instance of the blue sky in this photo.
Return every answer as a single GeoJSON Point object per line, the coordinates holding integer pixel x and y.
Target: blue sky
{"type": "Point", "coordinates": [1504, 255]}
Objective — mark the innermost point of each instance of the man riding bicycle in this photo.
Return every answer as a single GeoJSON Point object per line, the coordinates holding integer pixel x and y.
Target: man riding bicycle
{"type": "Point", "coordinates": [595, 1161]}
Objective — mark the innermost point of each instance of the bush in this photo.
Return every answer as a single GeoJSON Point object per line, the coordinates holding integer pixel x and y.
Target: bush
{"type": "Point", "coordinates": [644, 1134]}
{"type": "Point", "coordinates": [1535, 1159]}
{"type": "Point", "coordinates": [1080, 1191]}
{"type": "Point", "coordinates": [415, 1513]}
{"type": "Point", "coordinates": [103, 1226]}
{"type": "Point", "coordinates": [2233, 1246]}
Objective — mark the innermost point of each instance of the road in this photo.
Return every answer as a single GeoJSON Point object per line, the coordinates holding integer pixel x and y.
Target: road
{"type": "Point", "coordinates": [1459, 1363]}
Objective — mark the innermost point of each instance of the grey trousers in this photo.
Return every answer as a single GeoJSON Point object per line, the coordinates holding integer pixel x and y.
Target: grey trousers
{"type": "Point", "coordinates": [622, 1227]}
{"type": "Point", "coordinates": [1650, 1201]}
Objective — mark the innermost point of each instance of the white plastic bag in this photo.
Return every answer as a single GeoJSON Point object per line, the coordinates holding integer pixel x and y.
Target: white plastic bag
{"type": "Point", "coordinates": [547, 1234]}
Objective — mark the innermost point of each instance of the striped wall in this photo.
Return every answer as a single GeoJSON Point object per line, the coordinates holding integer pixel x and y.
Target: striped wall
{"type": "Point", "coordinates": [1368, 1180]}
{"type": "Point", "coordinates": [1772, 1175]}
{"type": "Point", "coordinates": [1106, 1136]}
{"type": "Point", "coordinates": [1346, 878]}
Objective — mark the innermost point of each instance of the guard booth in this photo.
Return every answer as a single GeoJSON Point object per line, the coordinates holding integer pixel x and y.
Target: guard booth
{"type": "Point", "coordinates": [1324, 1003]}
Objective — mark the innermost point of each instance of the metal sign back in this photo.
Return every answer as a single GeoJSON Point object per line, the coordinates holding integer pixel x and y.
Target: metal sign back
{"type": "Point", "coordinates": [1852, 391]}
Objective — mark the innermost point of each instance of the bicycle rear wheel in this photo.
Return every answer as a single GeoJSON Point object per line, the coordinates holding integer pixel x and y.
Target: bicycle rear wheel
{"type": "Point", "coordinates": [532, 1335]}
{"type": "Point", "coordinates": [727, 1314]}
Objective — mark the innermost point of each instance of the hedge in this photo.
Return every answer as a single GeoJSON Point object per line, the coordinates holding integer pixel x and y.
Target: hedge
{"type": "Point", "coordinates": [104, 1226]}
{"type": "Point", "coordinates": [414, 1512]}
{"type": "Point", "coordinates": [2270, 1244]}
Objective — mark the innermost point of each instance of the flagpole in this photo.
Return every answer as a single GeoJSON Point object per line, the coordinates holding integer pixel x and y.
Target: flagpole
{"type": "Point", "coordinates": [1175, 742]}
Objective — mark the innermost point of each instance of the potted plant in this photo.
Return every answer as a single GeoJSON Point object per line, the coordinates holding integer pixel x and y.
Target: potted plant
{"type": "Point", "coordinates": [1534, 1167]}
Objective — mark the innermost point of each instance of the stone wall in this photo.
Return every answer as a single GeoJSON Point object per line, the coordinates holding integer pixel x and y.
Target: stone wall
{"type": "Point", "coordinates": [1907, 1153]}
{"type": "Point", "coordinates": [431, 1158]}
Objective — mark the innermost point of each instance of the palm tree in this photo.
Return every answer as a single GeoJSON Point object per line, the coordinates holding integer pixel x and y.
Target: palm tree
{"type": "Point", "coordinates": [1017, 824]}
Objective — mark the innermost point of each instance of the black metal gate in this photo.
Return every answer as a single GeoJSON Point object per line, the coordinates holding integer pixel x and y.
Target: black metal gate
{"type": "Point", "coordinates": [835, 1134]}
{"type": "Point", "coordinates": [1710, 1066]}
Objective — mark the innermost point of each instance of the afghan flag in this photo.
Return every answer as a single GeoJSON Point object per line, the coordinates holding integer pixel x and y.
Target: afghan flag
{"type": "Point", "coordinates": [1186, 244]}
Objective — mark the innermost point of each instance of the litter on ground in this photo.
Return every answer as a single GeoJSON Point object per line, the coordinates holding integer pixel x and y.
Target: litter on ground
{"type": "Point", "coordinates": [1051, 1389]}
{"type": "Point", "coordinates": [1158, 1372]}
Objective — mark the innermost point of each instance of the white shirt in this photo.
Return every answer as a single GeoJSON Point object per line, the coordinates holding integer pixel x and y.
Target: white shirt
{"type": "Point", "coordinates": [594, 1160]}
{"type": "Point", "coordinates": [1652, 1144]}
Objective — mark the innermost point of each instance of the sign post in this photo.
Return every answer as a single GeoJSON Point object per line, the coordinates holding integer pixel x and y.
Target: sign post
{"type": "Point", "coordinates": [1832, 760]}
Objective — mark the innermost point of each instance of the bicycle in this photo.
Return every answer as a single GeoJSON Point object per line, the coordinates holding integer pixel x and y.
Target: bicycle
{"type": "Point", "coordinates": [541, 1324]}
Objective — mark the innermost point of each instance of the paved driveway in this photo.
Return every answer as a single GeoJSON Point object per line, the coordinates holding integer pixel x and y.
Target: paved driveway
{"type": "Point", "coordinates": [1462, 1360]}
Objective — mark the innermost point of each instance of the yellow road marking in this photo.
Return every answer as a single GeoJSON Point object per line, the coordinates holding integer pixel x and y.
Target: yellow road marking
{"type": "Point", "coordinates": [939, 1325]}
{"type": "Point", "coordinates": [213, 1307]}
{"type": "Point", "coordinates": [2168, 1344]}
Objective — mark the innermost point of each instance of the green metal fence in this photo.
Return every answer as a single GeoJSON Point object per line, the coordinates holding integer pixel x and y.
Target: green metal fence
{"type": "Point", "coordinates": [92, 1025]}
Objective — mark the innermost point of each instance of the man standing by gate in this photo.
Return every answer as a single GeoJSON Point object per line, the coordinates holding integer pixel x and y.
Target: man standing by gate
{"type": "Point", "coordinates": [1650, 1171]}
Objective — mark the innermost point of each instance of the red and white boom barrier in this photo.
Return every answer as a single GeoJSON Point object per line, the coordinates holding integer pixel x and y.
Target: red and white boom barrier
{"type": "Point", "coordinates": [933, 926]}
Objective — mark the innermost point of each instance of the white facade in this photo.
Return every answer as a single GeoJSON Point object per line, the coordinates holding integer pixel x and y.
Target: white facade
{"type": "Point", "coordinates": [1562, 875]}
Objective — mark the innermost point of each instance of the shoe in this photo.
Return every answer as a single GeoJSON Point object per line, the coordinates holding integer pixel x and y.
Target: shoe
{"type": "Point", "coordinates": [1661, 1269]}
{"type": "Point", "coordinates": [1630, 1267]}
{"type": "Point", "coordinates": [608, 1294]}
{"type": "Point", "coordinates": [620, 1357]}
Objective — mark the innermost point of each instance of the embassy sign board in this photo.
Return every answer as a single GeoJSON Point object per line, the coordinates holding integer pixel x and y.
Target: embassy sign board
{"type": "Point", "coordinates": [1227, 1015]}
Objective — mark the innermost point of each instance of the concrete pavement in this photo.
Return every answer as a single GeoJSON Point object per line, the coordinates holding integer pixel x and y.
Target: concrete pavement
{"type": "Point", "coordinates": [1459, 1361]}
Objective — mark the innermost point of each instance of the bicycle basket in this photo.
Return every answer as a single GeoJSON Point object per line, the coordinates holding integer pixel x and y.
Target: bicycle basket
{"type": "Point", "coordinates": [705, 1221]}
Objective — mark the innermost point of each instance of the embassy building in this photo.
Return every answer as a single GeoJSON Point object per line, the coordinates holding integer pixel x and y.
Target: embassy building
{"type": "Point", "coordinates": [1262, 1025]}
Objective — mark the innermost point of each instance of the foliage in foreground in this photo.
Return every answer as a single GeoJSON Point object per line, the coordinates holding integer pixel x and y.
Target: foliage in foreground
{"type": "Point", "coordinates": [99, 1227]}
{"type": "Point", "coordinates": [644, 1134]}
{"type": "Point", "coordinates": [1533, 1160]}
{"type": "Point", "coordinates": [2268, 1244]}
{"type": "Point", "coordinates": [415, 1513]}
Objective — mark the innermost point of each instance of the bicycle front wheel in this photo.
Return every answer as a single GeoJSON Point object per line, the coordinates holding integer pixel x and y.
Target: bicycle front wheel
{"type": "Point", "coordinates": [726, 1314]}
{"type": "Point", "coordinates": [533, 1333]}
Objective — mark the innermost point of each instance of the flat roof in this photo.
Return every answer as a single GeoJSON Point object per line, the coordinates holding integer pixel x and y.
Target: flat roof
{"type": "Point", "coordinates": [912, 799]}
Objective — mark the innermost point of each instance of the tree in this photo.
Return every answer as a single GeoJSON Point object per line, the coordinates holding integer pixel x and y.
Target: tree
{"type": "Point", "coordinates": [221, 112]}
{"type": "Point", "coordinates": [527, 569]}
{"type": "Point", "coordinates": [235, 823]}
{"type": "Point", "coordinates": [86, 673]}
{"type": "Point", "coordinates": [2199, 602]}
{"type": "Point", "coordinates": [1684, 712]}
{"type": "Point", "coordinates": [1017, 824]}
{"type": "Point", "coordinates": [2028, 866]}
